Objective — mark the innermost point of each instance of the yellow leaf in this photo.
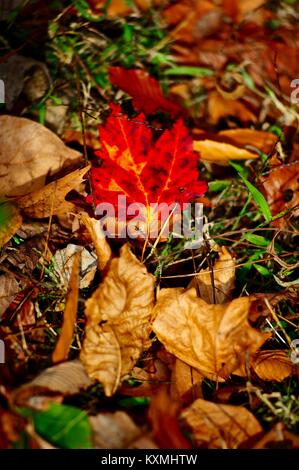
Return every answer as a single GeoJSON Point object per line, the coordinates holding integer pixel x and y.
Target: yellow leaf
{"type": "Point", "coordinates": [214, 339]}
{"type": "Point", "coordinates": [50, 200]}
{"type": "Point", "coordinates": [221, 152]}
{"type": "Point", "coordinates": [215, 285]}
{"type": "Point", "coordinates": [118, 321]}
{"type": "Point", "coordinates": [217, 426]}
{"type": "Point", "coordinates": [64, 342]}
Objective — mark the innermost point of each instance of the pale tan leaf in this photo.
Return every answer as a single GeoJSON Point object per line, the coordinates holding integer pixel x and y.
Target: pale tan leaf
{"type": "Point", "coordinates": [114, 430]}
{"type": "Point", "coordinates": [50, 200]}
{"type": "Point", "coordinates": [11, 221]}
{"type": "Point", "coordinates": [214, 339]}
{"type": "Point", "coordinates": [63, 263]}
{"type": "Point", "coordinates": [273, 365]}
{"type": "Point", "coordinates": [219, 107]}
{"type": "Point", "coordinates": [220, 152]}
{"type": "Point", "coordinates": [29, 152]}
{"type": "Point", "coordinates": [118, 321]}
{"type": "Point", "coordinates": [64, 342]}
{"type": "Point", "coordinates": [67, 378]}
{"type": "Point", "coordinates": [215, 285]}
{"type": "Point", "coordinates": [220, 426]}
{"type": "Point", "coordinates": [98, 238]}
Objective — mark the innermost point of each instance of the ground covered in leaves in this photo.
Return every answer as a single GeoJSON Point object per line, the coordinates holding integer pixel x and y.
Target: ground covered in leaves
{"type": "Point", "coordinates": [116, 333]}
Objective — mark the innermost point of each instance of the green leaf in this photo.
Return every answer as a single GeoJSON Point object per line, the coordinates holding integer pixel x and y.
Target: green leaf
{"type": "Point", "coordinates": [256, 239]}
{"type": "Point", "coordinates": [262, 270]}
{"type": "Point", "coordinates": [63, 426]}
{"type": "Point", "coordinates": [219, 185]}
{"type": "Point", "coordinates": [193, 71]}
{"type": "Point", "coordinates": [256, 194]}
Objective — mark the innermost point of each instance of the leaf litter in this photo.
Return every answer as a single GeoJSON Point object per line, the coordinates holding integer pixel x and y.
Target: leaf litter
{"type": "Point", "coordinates": [140, 342]}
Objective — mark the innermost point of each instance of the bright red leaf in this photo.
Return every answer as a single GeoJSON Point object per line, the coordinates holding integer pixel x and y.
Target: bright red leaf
{"type": "Point", "coordinates": [145, 90]}
{"type": "Point", "coordinates": [144, 170]}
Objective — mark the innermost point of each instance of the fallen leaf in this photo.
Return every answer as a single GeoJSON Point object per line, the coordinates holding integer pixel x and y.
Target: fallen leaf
{"type": "Point", "coordinates": [220, 152]}
{"type": "Point", "coordinates": [131, 168]}
{"type": "Point", "coordinates": [11, 427]}
{"type": "Point", "coordinates": [114, 430]}
{"type": "Point", "coordinates": [64, 342]}
{"type": "Point", "coordinates": [10, 222]}
{"type": "Point", "coordinates": [214, 339]}
{"type": "Point", "coordinates": [29, 152]}
{"type": "Point", "coordinates": [263, 141]}
{"type": "Point", "coordinates": [63, 261]}
{"type": "Point", "coordinates": [218, 426]}
{"type": "Point", "coordinates": [219, 107]}
{"type": "Point", "coordinates": [9, 287]}
{"type": "Point", "coordinates": [67, 378]}
{"type": "Point", "coordinates": [163, 415]}
{"type": "Point", "coordinates": [145, 90]}
{"type": "Point", "coordinates": [185, 382]}
{"type": "Point", "coordinates": [281, 188]}
{"type": "Point", "coordinates": [50, 200]}
{"type": "Point", "coordinates": [215, 285]}
{"type": "Point", "coordinates": [278, 438]}
{"type": "Point", "coordinates": [101, 245]}
{"type": "Point", "coordinates": [118, 321]}
{"type": "Point", "coordinates": [273, 365]}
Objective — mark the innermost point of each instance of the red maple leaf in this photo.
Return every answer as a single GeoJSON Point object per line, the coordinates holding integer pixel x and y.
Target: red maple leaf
{"type": "Point", "coordinates": [144, 170]}
{"type": "Point", "coordinates": [145, 90]}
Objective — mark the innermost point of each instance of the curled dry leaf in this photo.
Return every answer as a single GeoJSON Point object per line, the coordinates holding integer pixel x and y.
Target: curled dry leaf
{"type": "Point", "coordinates": [263, 141]}
{"type": "Point", "coordinates": [279, 438]}
{"type": "Point", "coordinates": [215, 285]}
{"type": "Point", "coordinates": [50, 200]}
{"type": "Point", "coordinates": [29, 152]}
{"type": "Point", "coordinates": [118, 321]}
{"type": "Point", "coordinates": [64, 342]}
{"type": "Point", "coordinates": [219, 107]}
{"type": "Point", "coordinates": [219, 426]}
{"type": "Point", "coordinates": [9, 287]}
{"type": "Point", "coordinates": [98, 238]}
{"type": "Point", "coordinates": [273, 365]}
{"type": "Point", "coordinates": [212, 338]}
{"type": "Point", "coordinates": [67, 378]}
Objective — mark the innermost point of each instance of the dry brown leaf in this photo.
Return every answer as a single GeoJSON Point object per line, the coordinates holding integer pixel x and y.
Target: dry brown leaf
{"type": "Point", "coordinates": [67, 378]}
{"type": "Point", "coordinates": [220, 426]}
{"type": "Point", "coordinates": [279, 438]}
{"type": "Point", "coordinates": [118, 321]}
{"type": "Point", "coordinates": [98, 238]}
{"type": "Point", "coordinates": [272, 365]}
{"type": "Point", "coordinates": [215, 285]}
{"type": "Point", "coordinates": [9, 287]}
{"type": "Point", "coordinates": [219, 107]}
{"type": "Point", "coordinates": [212, 338]}
{"type": "Point", "coordinates": [186, 382]}
{"type": "Point", "coordinates": [114, 430]}
{"type": "Point", "coordinates": [220, 152]}
{"type": "Point", "coordinates": [263, 141]}
{"type": "Point", "coordinates": [10, 222]}
{"type": "Point", "coordinates": [163, 415]}
{"type": "Point", "coordinates": [64, 342]}
{"type": "Point", "coordinates": [29, 152]}
{"type": "Point", "coordinates": [50, 200]}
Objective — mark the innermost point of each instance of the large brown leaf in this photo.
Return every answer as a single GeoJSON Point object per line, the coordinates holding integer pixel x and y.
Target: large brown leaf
{"type": "Point", "coordinates": [29, 152]}
{"type": "Point", "coordinates": [118, 321]}
{"type": "Point", "coordinates": [212, 338]}
{"type": "Point", "coordinates": [220, 426]}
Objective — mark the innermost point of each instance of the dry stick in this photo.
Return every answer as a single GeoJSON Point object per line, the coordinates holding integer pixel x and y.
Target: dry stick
{"type": "Point", "coordinates": [273, 313]}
